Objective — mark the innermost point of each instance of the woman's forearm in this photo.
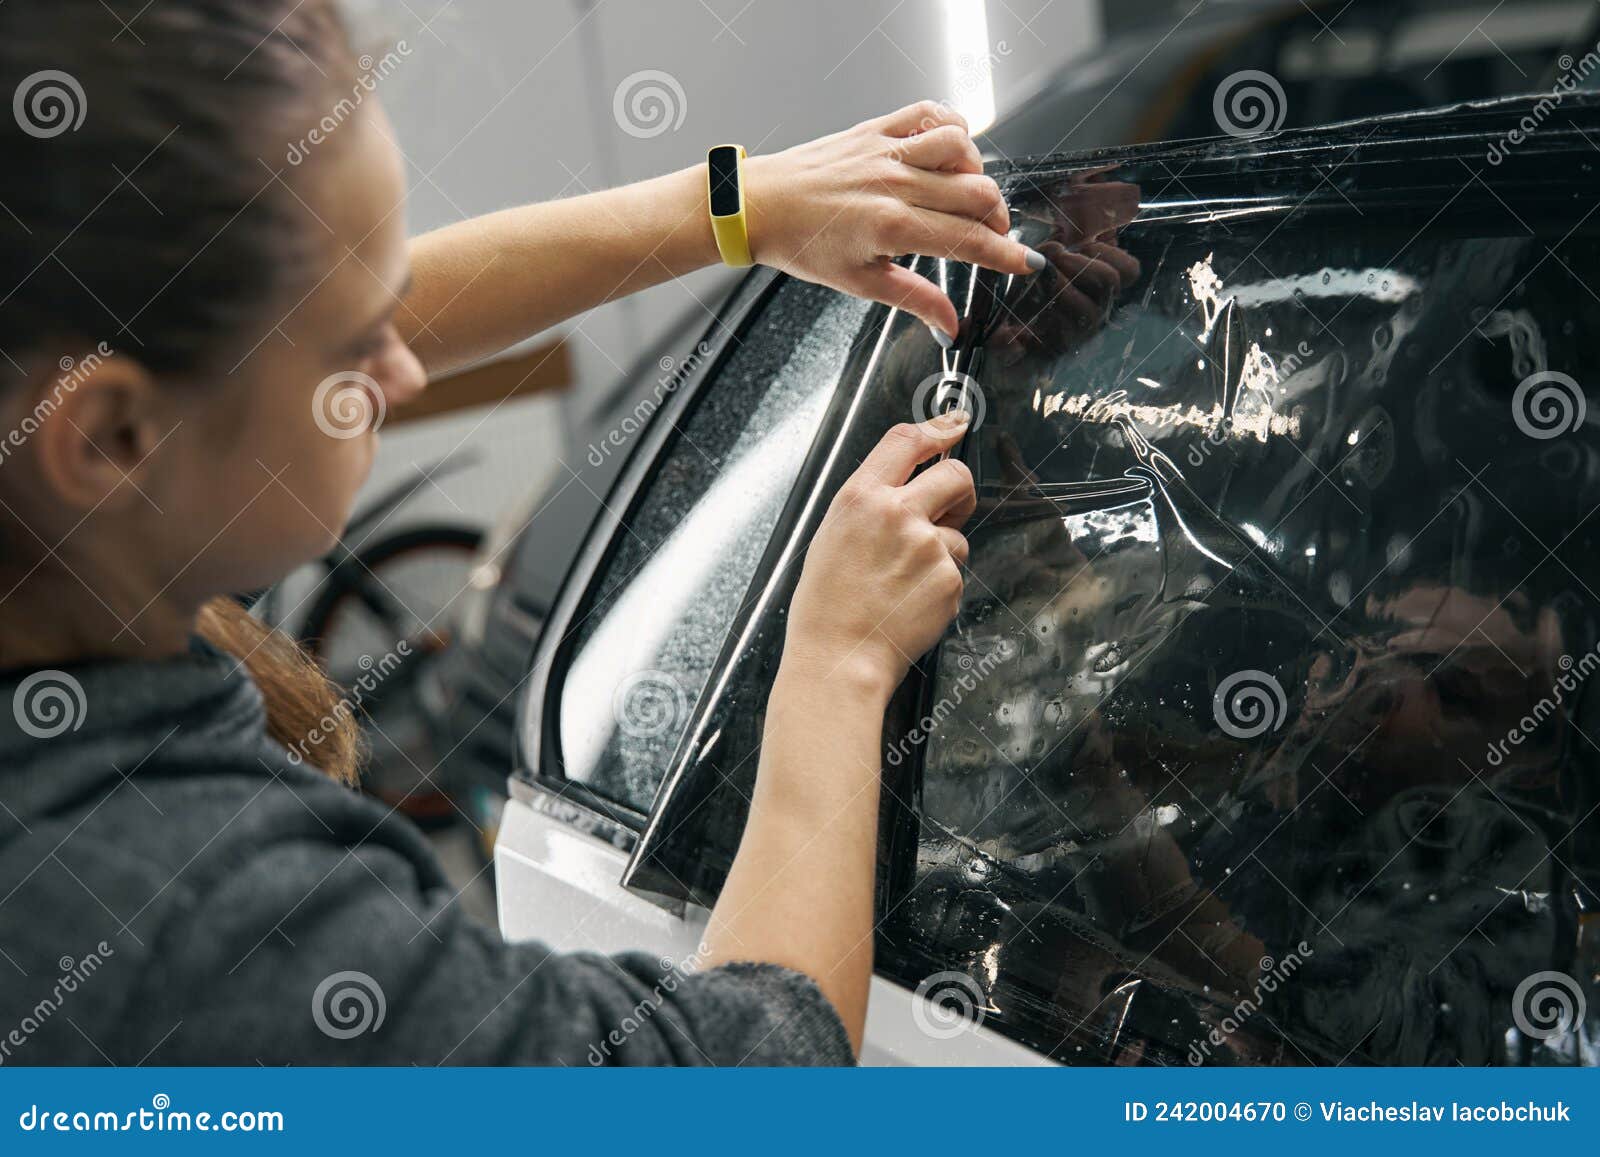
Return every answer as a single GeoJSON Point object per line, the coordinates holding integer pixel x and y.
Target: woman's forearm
{"type": "Point", "coordinates": [881, 582]}
{"type": "Point", "coordinates": [834, 211]}
{"type": "Point", "coordinates": [800, 892]}
{"type": "Point", "coordinates": [485, 284]}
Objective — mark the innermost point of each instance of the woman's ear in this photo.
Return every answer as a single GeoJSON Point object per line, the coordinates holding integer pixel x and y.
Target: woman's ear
{"type": "Point", "coordinates": [91, 426]}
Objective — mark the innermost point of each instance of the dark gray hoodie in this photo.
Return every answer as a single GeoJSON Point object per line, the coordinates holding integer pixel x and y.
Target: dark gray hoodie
{"type": "Point", "coordinates": [173, 890]}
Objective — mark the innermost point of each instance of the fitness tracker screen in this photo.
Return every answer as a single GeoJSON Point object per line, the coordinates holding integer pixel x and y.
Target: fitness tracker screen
{"type": "Point", "coordinates": [724, 172]}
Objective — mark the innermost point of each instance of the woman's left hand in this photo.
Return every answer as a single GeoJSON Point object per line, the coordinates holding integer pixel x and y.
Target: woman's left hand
{"type": "Point", "coordinates": [838, 210]}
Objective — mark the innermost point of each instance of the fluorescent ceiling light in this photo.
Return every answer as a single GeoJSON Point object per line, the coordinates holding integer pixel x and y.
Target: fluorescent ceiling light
{"type": "Point", "coordinates": [966, 34]}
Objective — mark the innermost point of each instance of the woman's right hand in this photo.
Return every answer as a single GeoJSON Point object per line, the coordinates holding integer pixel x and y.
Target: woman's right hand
{"type": "Point", "coordinates": [882, 579]}
{"type": "Point", "coordinates": [881, 582]}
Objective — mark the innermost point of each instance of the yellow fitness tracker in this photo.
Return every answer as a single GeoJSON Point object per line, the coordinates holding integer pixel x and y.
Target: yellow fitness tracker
{"type": "Point", "coordinates": [725, 191]}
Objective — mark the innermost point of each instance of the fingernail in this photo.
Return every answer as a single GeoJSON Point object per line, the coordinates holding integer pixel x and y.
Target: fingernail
{"type": "Point", "coordinates": [945, 340]}
{"type": "Point", "coordinates": [953, 419]}
{"type": "Point", "coordinates": [1036, 260]}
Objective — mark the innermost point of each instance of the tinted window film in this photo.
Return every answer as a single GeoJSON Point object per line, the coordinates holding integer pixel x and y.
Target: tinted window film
{"type": "Point", "coordinates": [685, 553]}
{"type": "Point", "coordinates": [1267, 731]}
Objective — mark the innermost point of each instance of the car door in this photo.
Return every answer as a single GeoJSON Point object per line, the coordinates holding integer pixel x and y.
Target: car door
{"type": "Point", "coordinates": [1263, 734]}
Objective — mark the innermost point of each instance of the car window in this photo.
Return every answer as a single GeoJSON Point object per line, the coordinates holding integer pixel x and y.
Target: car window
{"type": "Point", "coordinates": [1263, 733]}
{"type": "Point", "coordinates": [663, 602]}
{"type": "Point", "coordinates": [699, 816]}
{"type": "Point", "coordinates": [1257, 737]}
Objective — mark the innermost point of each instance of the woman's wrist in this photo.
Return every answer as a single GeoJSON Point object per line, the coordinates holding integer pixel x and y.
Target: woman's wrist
{"type": "Point", "coordinates": [761, 188]}
{"type": "Point", "coordinates": [846, 702]}
{"type": "Point", "coordinates": [854, 673]}
{"type": "Point", "coordinates": [692, 209]}
{"type": "Point", "coordinates": [760, 191]}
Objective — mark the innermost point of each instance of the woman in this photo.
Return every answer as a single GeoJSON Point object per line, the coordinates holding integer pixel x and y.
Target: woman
{"type": "Point", "coordinates": [173, 887]}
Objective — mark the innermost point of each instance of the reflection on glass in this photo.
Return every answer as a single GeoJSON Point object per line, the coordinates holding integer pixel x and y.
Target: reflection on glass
{"type": "Point", "coordinates": [1263, 733]}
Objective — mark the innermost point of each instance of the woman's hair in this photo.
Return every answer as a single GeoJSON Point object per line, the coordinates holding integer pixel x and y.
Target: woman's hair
{"type": "Point", "coordinates": [145, 211]}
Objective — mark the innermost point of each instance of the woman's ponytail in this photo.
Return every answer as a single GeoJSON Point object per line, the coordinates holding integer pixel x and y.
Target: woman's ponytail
{"type": "Point", "coordinates": [305, 710]}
